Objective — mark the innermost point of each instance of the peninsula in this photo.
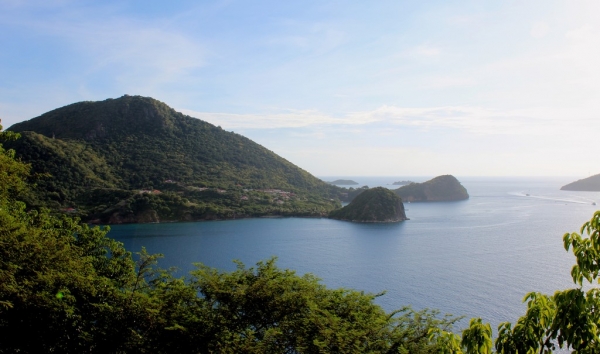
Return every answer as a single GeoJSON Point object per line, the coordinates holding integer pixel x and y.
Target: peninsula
{"type": "Point", "coordinates": [134, 159]}
{"type": "Point", "coordinates": [439, 189]}
{"type": "Point", "coordinates": [373, 205]}
{"type": "Point", "coordinates": [590, 184]}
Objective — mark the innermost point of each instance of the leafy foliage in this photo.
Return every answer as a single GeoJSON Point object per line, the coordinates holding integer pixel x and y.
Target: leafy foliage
{"type": "Point", "coordinates": [477, 339]}
{"type": "Point", "coordinates": [568, 319]}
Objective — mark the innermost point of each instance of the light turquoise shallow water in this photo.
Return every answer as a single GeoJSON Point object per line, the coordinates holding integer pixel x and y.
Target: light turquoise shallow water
{"type": "Point", "coordinates": [476, 258]}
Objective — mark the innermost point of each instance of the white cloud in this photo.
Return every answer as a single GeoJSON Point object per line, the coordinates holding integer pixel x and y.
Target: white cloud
{"type": "Point", "coordinates": [129, 51]}
{"type": "Point", "coordinates": [476, 120]}
{"type": "Point", "coordinates": [361, 160]}
{"type": "Point", "coordinates": [583, 33]}
{"type": "Point", "coordinates": [290, 119]}
{"type": "Point", "coordinates": [539, 30]}
{"type": "Point", "coordinates": [146, 56]}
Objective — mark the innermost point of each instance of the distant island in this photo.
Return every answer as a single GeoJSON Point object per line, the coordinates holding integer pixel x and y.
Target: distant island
{"type": "Point", "coordinates": [373, 205]}
{"type": "Point", "coordinates": [402, 183]}
{"type": "Point", "coordinates": [439, 189]}
{"type": "Point", "coordinates": [590, 184]}
{"type": "Point", "coordinates": [343, 182]}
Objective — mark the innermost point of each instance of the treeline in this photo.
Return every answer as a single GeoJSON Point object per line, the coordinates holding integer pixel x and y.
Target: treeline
{"type": "Point", "coordinates": [66, 287]}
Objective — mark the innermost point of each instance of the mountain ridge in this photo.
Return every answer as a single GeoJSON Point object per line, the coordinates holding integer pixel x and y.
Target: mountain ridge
{"type": "Point", "coordinates": [133, 144]}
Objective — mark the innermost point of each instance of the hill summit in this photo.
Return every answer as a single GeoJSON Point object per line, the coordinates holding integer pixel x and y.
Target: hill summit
{"type": "Point", "coordinates": [135, 159]}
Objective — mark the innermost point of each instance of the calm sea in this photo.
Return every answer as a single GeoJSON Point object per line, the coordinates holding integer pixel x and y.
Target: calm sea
{"type": "Point", "coordinates": [476, 258]}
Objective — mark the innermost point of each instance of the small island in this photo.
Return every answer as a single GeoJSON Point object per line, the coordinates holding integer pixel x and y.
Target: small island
{"type": "Point", "coordinates": [373, 205]}
{"type": "Point", "coordinates": [402, 183]}
{"type": "Point", "coordinates": [343, 182]}
{"type": "Point", "coordinates": [590, 184]}
{"type": "Point", "coordinates": [439, 189]}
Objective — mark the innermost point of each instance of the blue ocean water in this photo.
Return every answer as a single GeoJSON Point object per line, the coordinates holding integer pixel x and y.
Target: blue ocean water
{"type": "Point", "coordinates": [476, 258]}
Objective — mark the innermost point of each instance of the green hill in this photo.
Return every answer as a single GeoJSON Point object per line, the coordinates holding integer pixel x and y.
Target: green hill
{"type": "Point", "coordinates": [373, 205]}
{"type": "Point", "coordinates": [590, 184]}
{"type": "Point", "coordinates": [438, 189]}
{"type": "Point", "coordinates": [135, 159]}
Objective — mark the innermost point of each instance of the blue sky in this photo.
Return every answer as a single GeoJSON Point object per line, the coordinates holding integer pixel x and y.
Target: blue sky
{"type": "Point", "coordinates": [398, 88]}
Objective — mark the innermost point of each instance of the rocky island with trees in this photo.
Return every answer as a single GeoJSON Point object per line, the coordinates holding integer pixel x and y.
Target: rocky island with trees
{"type": "Point", "coordinates": [373, 205]}
{"type": "Point", "coordinates": [439, 189]}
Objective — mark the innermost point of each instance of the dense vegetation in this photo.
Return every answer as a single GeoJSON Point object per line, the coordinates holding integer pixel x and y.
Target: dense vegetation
{"type": "Point", "coordinates": [438, 189]}
{"type": "Point", "coordinates": [373, 205]}
{"type": "Point", "coordinates": [66, 287]}
{"type": "Point", "coordinates": [590, 184]}
{"type": "Point", "coordinates": [134, 159]}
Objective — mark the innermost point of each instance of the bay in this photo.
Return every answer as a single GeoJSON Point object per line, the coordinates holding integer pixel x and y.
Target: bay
{"type": "Point", "coordinates": [476, 258]}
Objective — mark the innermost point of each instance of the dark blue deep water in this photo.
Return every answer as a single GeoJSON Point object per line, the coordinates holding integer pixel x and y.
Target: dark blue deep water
{"type": "Point", "coordinates": [475, 258]}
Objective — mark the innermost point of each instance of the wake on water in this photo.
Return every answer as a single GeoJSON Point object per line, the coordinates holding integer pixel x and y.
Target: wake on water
{"type": "Point", "coordinates": [576, 199]}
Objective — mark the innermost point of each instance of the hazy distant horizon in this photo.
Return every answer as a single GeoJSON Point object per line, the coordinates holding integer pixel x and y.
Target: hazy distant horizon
{"type": "Point", "coordinates": [426, 177]}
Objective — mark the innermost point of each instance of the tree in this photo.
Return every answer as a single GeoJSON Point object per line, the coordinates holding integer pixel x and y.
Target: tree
{"type": "Point", "coordinates": [568, 319]}
{"type": "Point", "coordinates": [62, 283]}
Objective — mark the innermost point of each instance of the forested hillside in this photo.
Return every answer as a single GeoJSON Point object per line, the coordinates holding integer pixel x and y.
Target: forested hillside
{"type": "Point", "coordinates": [134, 159]}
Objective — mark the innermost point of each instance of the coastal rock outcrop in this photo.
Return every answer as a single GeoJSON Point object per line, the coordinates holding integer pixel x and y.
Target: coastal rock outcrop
{"type": "Point", "coordinates": [373, 205]}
